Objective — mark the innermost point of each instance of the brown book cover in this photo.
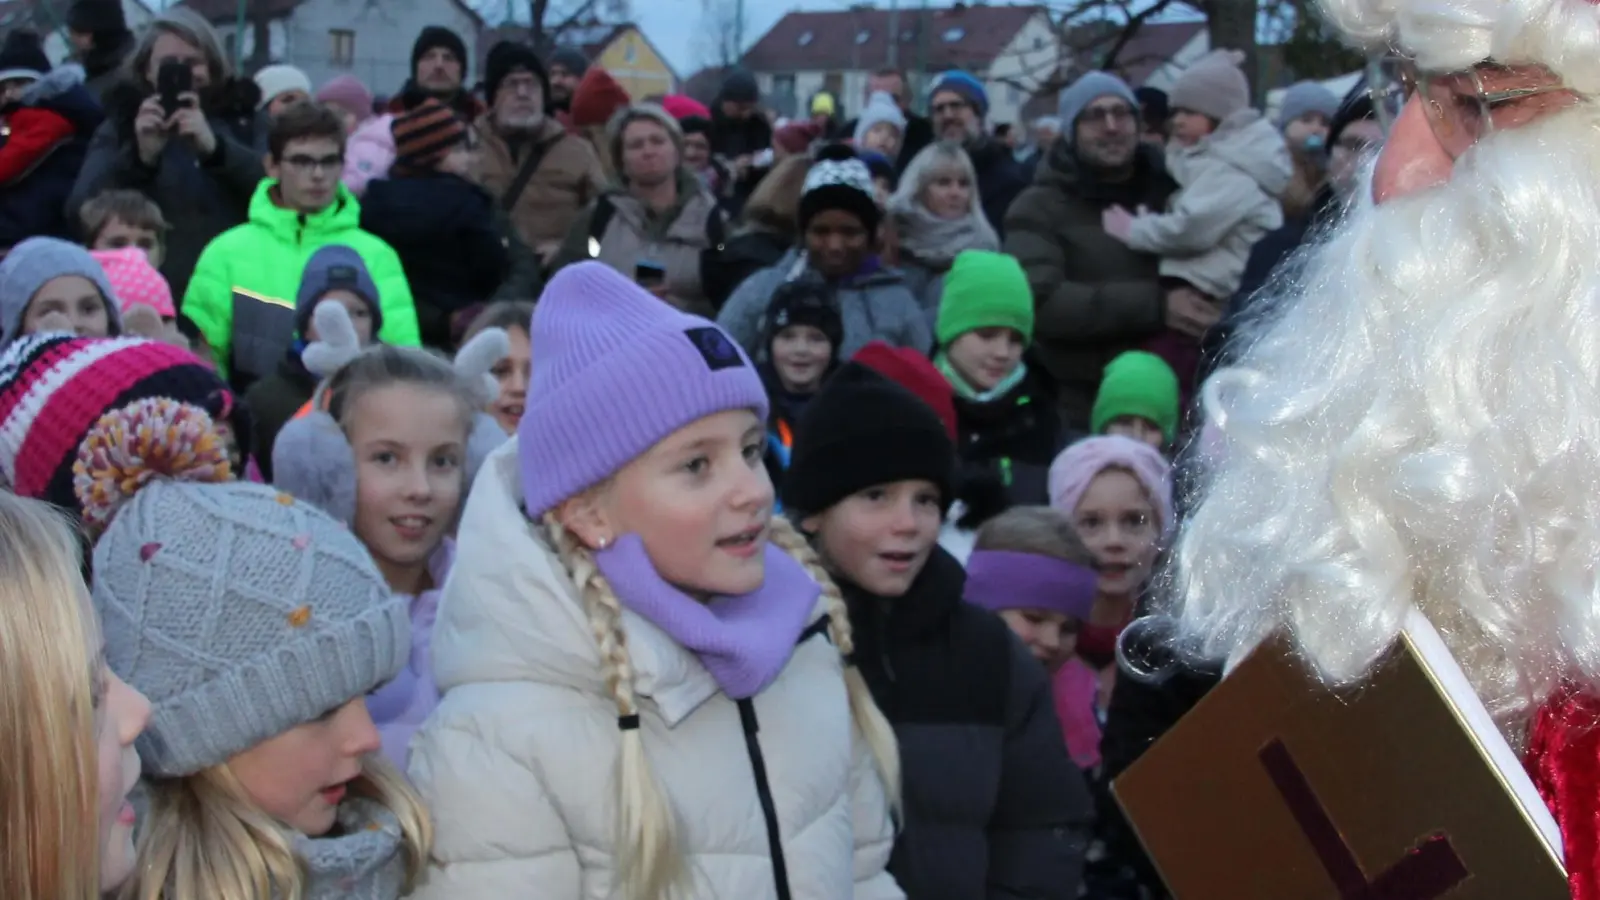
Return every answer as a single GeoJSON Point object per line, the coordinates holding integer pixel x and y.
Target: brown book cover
{"type": "Point", "coordinates": [1276, 788]}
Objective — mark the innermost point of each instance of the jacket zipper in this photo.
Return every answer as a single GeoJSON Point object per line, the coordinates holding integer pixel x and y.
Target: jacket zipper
{"type": "Point", "coordinates": [769, 809]}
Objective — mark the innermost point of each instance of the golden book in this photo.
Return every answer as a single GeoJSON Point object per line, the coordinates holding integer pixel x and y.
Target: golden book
{"type": "Point", "coordinates": [1275, 787]}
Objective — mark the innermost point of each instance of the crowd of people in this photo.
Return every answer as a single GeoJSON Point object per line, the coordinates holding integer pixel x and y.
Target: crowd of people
{"type": "Point", "coordinates": [524, 486]}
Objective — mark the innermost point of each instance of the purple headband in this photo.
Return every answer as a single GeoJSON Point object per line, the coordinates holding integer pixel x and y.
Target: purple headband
{"type": "Point", "coordinates": [1006, 579]}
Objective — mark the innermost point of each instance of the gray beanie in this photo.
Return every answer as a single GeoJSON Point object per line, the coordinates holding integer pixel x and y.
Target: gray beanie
{"type": "Point", "coordinates": [1087, 89]}
{"type": "Point", "coordinates": [36, 261]}
{"type": "Point", "coordinates": [1306, 97]}
{"type": "Point", "coordinates": [240, 613]}
{"type": "Point", "coordinates": [1213, 86]}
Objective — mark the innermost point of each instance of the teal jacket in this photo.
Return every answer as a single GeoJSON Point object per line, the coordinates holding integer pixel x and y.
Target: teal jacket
{"type": "Point", "coordinates": [243, 291]}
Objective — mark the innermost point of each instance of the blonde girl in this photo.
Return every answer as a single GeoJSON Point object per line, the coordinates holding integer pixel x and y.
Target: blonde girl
{"type": "Point", "coordinates": [645, 688]}
{"type": "Point", "coordinates": [936, 213]}
{"type": "Point", "coordinates": [69, 723]}
{"type": "Point", "coordinates": [388, 453]}
{"type": "Point", "coordinates": [256, 624]}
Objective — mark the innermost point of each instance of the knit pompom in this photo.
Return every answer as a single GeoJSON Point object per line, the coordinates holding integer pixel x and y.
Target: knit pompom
{"type": "Point", "coordinates": [477, 358]}
{"type": "Point", "coordinates": [156, 437]}
{"type": "Point", "coordinates": [337, 343]}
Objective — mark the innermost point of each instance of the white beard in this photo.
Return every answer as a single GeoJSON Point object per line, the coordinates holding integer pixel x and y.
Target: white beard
{"type": "Point", "coordinates": [1417, 420]}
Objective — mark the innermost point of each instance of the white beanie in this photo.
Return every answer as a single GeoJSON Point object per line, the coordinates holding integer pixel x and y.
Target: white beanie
{"type": "Point", "coordinates": [880, 108]}
{"type": "Point", "coordinates": [281, 79]}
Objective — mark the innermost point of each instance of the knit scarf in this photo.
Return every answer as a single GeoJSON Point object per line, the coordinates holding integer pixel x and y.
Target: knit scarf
{"type": "Point", "coordinates": [967, 392]}
{"type": "Point", "coordinates": [744, 642]}
{"type": "Point", "coordinates": [934, 241]}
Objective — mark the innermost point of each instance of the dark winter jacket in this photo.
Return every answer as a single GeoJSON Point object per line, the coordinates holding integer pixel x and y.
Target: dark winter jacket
{"type": "Point", "coordinates": [49, 131]}
{"type": "Point", "coordinates": [1000, 179]}
{"type": "Point", "coordinates": [1006, 448]}
{"type": "Point", "coordinates": [745, 254]}
{"type": "Point", "coordinates": [274, 400]}
{"type": "Point", "coordinates": [733, 138]}
{"type": "Point", "coordinates": [443, 227]}
{"type": "Point", "coordinates": [465, 105]}
{"type": "Point", "coordinates": [102, 66]}
{"type": "Point", "coordinates": [201, 198]}
{"type": "Point", "coordinates": [1093, 296]}
{"type": "Point", "coordinates": [993, 806]}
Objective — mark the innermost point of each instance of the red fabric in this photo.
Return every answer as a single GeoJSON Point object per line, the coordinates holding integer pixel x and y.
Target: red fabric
{"type": "Point", "coordinates": [597, 98]}
{"type": "Point", "coordinates": [1564, 761]}
{"type": "Point", "coordinates": [914, 372]}
{"type": "Point", "coordinates": [680, 107]}
{"type": "Point", "coordinates": [34, 132]}
{"type": "Point", "coordinates": [797, 137]}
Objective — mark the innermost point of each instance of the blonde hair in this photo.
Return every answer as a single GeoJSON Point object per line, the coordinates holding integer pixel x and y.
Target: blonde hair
{"type": "Point", "coordinates": [930, 162]}
{"type": "Point", "coordinates": [648, 857]}
{"type": "Point", "coordinates": [204, 839]}
{"type": "Point", "coordinates": [48, 647]}
{"type": "Point", "coordinates": [1039, 530]}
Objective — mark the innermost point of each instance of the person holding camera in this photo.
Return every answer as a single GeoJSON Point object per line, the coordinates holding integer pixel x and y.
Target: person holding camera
{"type": "Point", "coordinates": [182, 130]}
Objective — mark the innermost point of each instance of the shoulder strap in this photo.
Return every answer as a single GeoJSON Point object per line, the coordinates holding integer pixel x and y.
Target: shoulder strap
{"type": "Point", "coordinates": [536, 155]}
{"type": "Point", "coordinates": [716, 229]}
{"type": "Point", "coordinates": [600, 219]}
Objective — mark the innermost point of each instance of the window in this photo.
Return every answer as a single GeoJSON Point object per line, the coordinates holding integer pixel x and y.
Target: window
{"type": "Point", "coordinates": [863, 36]}
{"type": "Point", "coordinates": [951, 35]}
{"type": "Point", "coordinates": [806, 38]}
{"type": "Point", "coordinates": [630, 53]}
{"type": "Point", "coordinates": [342, 50]}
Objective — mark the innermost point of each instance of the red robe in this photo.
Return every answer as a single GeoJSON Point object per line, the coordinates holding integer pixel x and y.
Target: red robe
{"type": "Point", "coordinates": [1564, 760]}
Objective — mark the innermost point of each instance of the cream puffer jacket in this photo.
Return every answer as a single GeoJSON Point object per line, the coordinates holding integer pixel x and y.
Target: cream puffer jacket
{"type": "Point", "coordinates": [516, 764]}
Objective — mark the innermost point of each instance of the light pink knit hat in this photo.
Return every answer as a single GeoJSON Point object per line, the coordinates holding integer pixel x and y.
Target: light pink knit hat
{"type": "Point", "coordinates": [1077, 465]}
{"type": "Point", "coordinates": [135, 281]}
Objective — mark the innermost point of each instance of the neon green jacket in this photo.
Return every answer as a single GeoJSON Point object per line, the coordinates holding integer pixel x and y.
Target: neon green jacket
{"type": "Point", "coordinates": [242, 295]}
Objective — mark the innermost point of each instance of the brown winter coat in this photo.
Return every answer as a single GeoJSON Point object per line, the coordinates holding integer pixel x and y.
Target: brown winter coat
{"type": "Point", "coordinates": [568, 179]}
{"type": "Point", "coordinates": [673, 239]}
{"type": "Point", "coordinates": [1093, 297]}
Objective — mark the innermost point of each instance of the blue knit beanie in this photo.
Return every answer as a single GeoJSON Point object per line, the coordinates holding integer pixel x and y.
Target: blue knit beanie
{"type": "Point", "coordinates": [335, 267]}
{"type": "Point", "coordinates": [37, 261]}
{"type": "Point", "coordinates": [963, 83]}
{"type": "Point", "coordinates": [617, 371]}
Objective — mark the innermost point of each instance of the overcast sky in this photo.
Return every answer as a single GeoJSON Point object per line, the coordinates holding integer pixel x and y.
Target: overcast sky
{"type": "Point", "coordinates": [672, 24]}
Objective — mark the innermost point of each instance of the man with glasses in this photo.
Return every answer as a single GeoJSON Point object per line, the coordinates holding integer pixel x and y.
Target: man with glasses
{"type": "Point", "coordinates": [242, 294]}
{"type": "Point", "coordinates": [1094, 296]}
{"type": "Point", "coordinates": [959, 103]}
{"type": "Point", "coordinates": [538, 173]}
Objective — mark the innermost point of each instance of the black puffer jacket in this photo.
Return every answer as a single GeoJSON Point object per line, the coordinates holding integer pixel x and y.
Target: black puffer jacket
{"type": "Point", "coordinates": [1006, 447]}
{"type": "Point", "coordinates": [993, 806]}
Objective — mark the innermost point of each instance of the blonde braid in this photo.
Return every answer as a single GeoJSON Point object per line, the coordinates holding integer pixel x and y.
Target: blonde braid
{"type": "Point", "coordinates": [869, 720]}
{"type": "Point", "coordinates": [646, 851]}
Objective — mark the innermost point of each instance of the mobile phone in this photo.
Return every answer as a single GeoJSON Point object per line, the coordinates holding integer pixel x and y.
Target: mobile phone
{"type": "Point", "coordinates": [173, 79]}
{"type": "Point", "coordinates": [649, 274]}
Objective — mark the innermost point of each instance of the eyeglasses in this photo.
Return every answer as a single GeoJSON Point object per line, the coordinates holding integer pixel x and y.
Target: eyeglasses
{"type": "Point", "coordinates": [1106, 115]}
{"type": "Point", "coordinates": [1462, 107]}
{"type": "Point", "coordinates": [950, 107]}
{"type": "Point", "coordinates": [302, 163]}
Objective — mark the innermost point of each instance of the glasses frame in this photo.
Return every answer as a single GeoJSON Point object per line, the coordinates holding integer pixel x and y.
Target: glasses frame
{"type": "Point", "coordinates": [1394, 78]}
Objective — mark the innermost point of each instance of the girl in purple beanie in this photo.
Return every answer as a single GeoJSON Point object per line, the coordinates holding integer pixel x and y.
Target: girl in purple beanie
{"type": "Point", "coordinates": [645, 677]}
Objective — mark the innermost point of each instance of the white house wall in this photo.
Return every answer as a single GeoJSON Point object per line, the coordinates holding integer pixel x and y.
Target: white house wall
{"type": "Point", "coordinates": [1030, 58]}
{"type": "Point", "coordinates": [1197, 47]}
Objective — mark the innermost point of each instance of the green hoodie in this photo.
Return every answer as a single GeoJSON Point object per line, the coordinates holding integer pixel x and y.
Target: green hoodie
{"type": "Point", "coordinates": [242, 295]}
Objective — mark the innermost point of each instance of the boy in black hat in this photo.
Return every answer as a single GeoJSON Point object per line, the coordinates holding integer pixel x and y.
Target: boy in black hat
{"type": "Point", "coordinates": [804, 331]}
{"type": "Point", "coordinates": [438, 70]}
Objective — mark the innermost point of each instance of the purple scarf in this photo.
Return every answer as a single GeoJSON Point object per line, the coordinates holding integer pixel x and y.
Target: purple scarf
{"type": "Point", "coordinates": [1006, 579]}
{"type": "Point", "coordinates": [745, 641]}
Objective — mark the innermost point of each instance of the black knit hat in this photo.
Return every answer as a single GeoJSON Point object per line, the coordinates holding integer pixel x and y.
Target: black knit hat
{"type": "Point", "coordinates": [863, 430]}
{"type": "Point", "coordinates": [507, 57]}
{"type": "Point", "coordinates": [22, 56]}
{"type": "Point", "coordinates": [438, 36]}
{"type": "Point", "coordinates": [571, 59]}
{"type": "Point", "coordinates": [839, 180]}
{"type": "Point", "coordinates": [97, 17]}
{"type": "Point", "coordinates": [804, 301]}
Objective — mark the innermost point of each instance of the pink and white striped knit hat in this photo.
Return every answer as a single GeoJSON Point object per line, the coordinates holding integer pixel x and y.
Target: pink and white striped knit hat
{"type": "Point", "coordinates": [134, 280]}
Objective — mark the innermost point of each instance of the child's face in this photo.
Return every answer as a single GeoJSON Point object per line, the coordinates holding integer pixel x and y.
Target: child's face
{"type": "Point", "coordinates": [880, 538]}
{"type": "Point", "coordinates": [1139, 428]}
{"type": "Point", "coordinates": [71, 301]}
{"type": "Point", "coordinates": [986, 356]}
{"type": "Point", "coordinates": [11, 89]}
{"type": "Point", "coordinates": [120, 718]}
{"type": "Point", "coordinates": [299, 777]}
{"type": "Point", "coordinates": [360, 315]}
{"type": "Point", "coordinates": [410, 449]}
{"type": "Point", "coordinates": [116, 234]}
{"type": "Point", "coordinates": [884, 138]}
{"type": "Point", "coordinates": [800, 354]}
{"type": "Point", "coordinates": [1189, 127]}
{"type": "Point", "coordinates": [1050, 636]}
{"type": "Point", "coordinates": [512, 374]}
{"type": "Point", "coordinates": [1117, 522]}
{"type": "Point", "coordinates": [700, 500]}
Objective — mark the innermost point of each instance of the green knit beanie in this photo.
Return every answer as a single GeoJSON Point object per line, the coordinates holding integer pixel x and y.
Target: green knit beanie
{"type": "Point", "coordinates": [984, 290]}
{"type": "Point", "coordinates": [1140, 384]}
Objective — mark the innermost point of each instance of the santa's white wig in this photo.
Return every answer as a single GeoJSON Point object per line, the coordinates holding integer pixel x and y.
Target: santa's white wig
{"type": "Point", "coordinates": [1416, 419]}
{"type": "Point", "coordinates": [1445, 35]}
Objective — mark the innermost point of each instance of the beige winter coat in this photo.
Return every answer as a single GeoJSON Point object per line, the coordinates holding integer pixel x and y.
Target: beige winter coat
{"type": "Point", "coordinates": [1229, 185]}
{"type": "Point", "coordinates": [568, 179]}
{"type": "Point", "coordinates": [516, 763]}
{"type": "Point", "coordinates": [673, 239]}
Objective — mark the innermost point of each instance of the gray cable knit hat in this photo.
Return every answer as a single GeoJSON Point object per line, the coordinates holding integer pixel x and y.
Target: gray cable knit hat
{"type": "Point", "coordinates": [38, 260]}
{"type": "Point", "coordinates": [239, 611]}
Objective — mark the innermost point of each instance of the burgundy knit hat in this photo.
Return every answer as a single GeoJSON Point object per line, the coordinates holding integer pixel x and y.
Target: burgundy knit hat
{"type": "Point", "coordinates": [597, 98]}
{"type": "Point", "coordinates": [425, 135]}
{"type": "Point", "coordinates": [917, 374]}
{"type": "Point", "coordinates": [55, 386]}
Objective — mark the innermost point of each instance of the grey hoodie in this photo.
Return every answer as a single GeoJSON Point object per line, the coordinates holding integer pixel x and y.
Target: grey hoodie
{"type": "Point", "coordinates": [878, 307]}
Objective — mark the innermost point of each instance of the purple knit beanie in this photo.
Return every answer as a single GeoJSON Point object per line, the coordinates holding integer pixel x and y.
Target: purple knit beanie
{"type": "Point", "coordinates": [1077, 465]}
{"type": "Point", "coordinates": [616, 371]}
